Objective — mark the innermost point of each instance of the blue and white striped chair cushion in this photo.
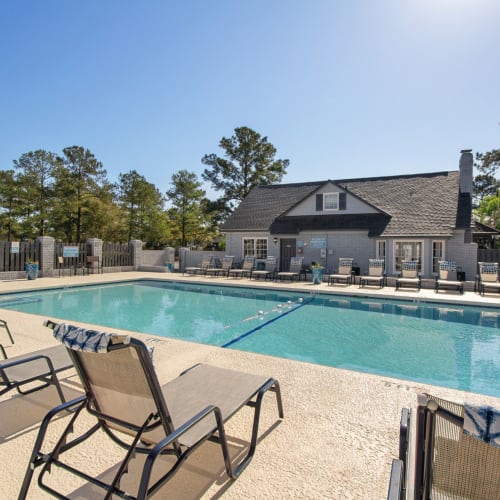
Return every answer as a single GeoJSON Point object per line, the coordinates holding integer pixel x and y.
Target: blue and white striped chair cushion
{"type": "Point", "coordinates": [447, 265]}
{"type": "Point", "coordinates": [488, 267]}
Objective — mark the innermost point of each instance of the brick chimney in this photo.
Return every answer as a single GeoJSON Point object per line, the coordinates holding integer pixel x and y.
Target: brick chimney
{"type": "Point", "coordinates": [465, 166]}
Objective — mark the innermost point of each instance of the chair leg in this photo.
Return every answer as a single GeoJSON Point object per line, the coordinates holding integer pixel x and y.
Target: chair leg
{"type": "Point", "coordinates": [37, 458]}
{"type": "Point", "coordinates": [3, 324]}
{"type": "Point", "coordinates": [274, 386]}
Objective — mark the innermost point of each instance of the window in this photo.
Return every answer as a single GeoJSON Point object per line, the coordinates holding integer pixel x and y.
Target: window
{"type": "Point", "coordinates": [407, 250]}
{"type": "Point", "coordinates": [381, 249]}
{"type": "Point", "coordinates": [437, 255]}
{"type": "Point", "coordinates": [331, 201]}
{"type": "Point", "coordinates": [255, 247]}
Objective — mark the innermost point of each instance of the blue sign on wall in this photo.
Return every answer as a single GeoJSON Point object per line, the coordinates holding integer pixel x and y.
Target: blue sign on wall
{"type": "Point", "coordinates": [318, 242]}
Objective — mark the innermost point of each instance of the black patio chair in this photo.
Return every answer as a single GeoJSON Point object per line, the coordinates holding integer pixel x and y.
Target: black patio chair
{"type": "Point", "coordinates": [457, 452]}
{"type": "Point", "coordinates": [124, 395]}
{"type": "Point", "coordinates": [35, 370]}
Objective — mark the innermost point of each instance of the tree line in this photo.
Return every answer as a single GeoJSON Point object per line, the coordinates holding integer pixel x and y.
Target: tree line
{"type": "Point", "coordinates": [486, 188]}
{"type": "Point", "coordinates": [69, 197]}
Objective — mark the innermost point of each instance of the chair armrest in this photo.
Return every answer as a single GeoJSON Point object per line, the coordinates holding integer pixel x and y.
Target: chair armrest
{"type": "Point", "coordinates": [395, 491]}
{"type": "Point", "coordinates": [404, 429]}
{"type": "Point", "coordinates": [29, 359]}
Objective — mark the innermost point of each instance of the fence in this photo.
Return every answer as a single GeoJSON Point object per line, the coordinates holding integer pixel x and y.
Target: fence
{"type": "Point", "coordinates": [488, 255]}
{"type": "Point", "coordinates": [56, 258]}
{"type": "Point", "coordinates": [116, 255]}
{"type": "Point", "coordinates": [13, 257]}
{"type": "Point", "coordinates": [63, 262]}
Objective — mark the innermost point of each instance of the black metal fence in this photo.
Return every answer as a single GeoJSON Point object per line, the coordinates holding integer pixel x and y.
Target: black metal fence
{"type": "Point", "coordinates": [64, 262]}
{"type": "Point", "coordinates": [13, 255]}
{"type": "Point", "coordinates": [116, 255]}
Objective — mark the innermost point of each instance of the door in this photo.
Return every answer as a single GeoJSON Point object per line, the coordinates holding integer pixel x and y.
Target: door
{"type": "Point", "coordinates": [288, 248]}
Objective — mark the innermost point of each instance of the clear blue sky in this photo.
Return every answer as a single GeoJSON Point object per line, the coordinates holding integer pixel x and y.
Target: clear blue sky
{"type": "Point", "coordinates": [342, 88]}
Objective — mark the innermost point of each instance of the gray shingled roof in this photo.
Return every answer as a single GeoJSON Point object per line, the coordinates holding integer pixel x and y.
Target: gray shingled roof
{"type": "Point", "coordinates": [416, 205]}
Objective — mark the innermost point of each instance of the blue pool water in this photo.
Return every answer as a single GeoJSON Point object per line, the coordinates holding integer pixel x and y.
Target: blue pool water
{"type": "Point", "coordinates": [447, 345]}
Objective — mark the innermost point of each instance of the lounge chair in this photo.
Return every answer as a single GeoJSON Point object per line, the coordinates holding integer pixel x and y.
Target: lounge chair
{"type": "Point", "coordinates": [457, 452]}
{"type": "Point", "coordinates": [246, 268]}
{"type": "Point", "coordinates": [39, 366]}
{"type": "Point", "coordinates": [206, 262]}
{"type": "Point", "coordinates": [447, 278]}
{"type": "Point", "coordinates": [410, 277]}
{"type": "Point", "coordinates": [488, 277]}
{"type": "Point", "coordinates": [5, 326]}
{"type": "Point", "coordinates": [124, 395]}
{"type": "Point", "coordinates": [375, 274]}
{"type": "Point", "coordinates": [343, 273]}
{"type": "Point", "coordinates": [227, 264]}
{"type": "Point", "coordinates": [294, 272]}
{"type": "Point", "coordinates": [268, 272]}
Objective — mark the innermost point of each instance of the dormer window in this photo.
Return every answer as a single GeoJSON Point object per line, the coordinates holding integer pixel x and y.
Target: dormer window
{"type": "Point", "coordinates": [330, 201]}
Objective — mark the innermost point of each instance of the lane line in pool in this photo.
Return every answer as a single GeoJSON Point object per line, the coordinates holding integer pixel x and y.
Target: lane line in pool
{"type": "Point", "coordinates": [262, 325]}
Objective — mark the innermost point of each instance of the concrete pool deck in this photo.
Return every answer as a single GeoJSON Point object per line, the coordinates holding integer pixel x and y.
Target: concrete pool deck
{"type": "Point", "coordinates": [337, 440]}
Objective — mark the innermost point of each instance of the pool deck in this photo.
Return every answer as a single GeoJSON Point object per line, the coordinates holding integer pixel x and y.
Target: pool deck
{"type": "Point", "coordinates": [337, 440]}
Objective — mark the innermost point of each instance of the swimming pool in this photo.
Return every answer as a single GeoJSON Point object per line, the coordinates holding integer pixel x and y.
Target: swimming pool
{"type": "Point", "coordinates": [447, 345]}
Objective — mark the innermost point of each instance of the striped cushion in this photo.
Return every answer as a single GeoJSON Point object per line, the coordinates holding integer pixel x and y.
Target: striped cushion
{"type": "Point", "coordinates": [409, 265]}
{"type": "Point", "coordinates": [447, 265]}
{"type": "Point", "coordinates": [488, 267]}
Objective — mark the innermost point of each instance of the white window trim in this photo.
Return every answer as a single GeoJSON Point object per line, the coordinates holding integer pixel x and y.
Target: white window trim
{"type": "Point", "coordinates": [377, 246]}
{"type": "Point", "coordinates": [443, 256]}
{"type": "Point", "coordinates": [254, 239]}
{"type": "Point", "coordinates": [324, 202]}
{"type": "Point", "coordinates": [422, 254]}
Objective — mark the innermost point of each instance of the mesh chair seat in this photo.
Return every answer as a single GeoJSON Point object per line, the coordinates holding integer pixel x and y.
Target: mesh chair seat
{"type": "Point", "coordinates": [450, 463]}
{"type": "Point", "coordinates": [375, 273]}
{"type": "Point", "coordinates": [343, 274]}
{"type": "Point", "coordinates": [447, 278]}
{"type": "Point", "coordinates": [488, 277]}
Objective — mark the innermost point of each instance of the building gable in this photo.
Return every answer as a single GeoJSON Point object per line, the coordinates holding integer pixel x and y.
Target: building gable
{"type": "Point", "coordinates": [330, 199]}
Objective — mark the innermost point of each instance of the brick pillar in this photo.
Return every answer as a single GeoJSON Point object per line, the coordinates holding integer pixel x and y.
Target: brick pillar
{"type": "Point", "coordinates": [94, 246]}
{"type": "Point", "coordinates": [135, 247]}
{"type": "Point", "coordinates": [46, 258]}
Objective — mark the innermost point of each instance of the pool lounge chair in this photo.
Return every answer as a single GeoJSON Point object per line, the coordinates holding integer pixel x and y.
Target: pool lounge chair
{"type": "Point", "coordinates": [457, 452]}
{"type": "Point", "coordinates": [488, 277]}
{"type": "Point", "coordinates": [35, 370]}
{"type": "Point", "coordinates": [376, 275]}
{"type": "Point", "coordinates": [227, 264]}
{"type": "Point", "coordinates": [124, 395]}
{"type": "Point", "coordinates": [447, 278]}
{"type": "Point", "coordinates": [343, 273]}
{"type": "Point", "coordinates": [268, 272]}
{"type": "Point", "coordinates": [206, 262]}
{"type": "Point", "coordinates": [246, 269]}
{"type": "Point", "coordinates": [294, 272]}
{"type": "Point", "coordinates": [410, 277]}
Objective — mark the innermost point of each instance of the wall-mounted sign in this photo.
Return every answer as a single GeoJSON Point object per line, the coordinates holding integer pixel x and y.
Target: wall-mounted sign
{"type": "Point", "coordinates": [318, 242]}
{"type": "Point", "coordinates": [14, 247]}
{"type": "Point", "coordinates": [69, 252]}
